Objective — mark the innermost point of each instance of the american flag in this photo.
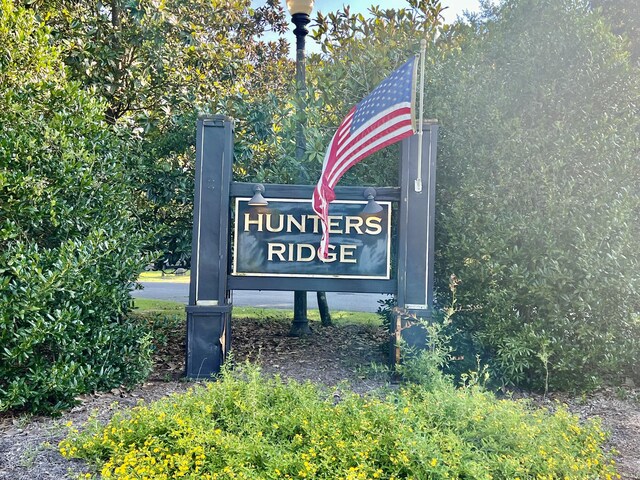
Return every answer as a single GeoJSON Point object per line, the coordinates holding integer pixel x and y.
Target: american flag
{"type": "Point", "coordinates": [383, 117]}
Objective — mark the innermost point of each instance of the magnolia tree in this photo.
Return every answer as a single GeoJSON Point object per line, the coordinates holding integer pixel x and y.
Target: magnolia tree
{"type": "Point", "coordinates": [157, 65]}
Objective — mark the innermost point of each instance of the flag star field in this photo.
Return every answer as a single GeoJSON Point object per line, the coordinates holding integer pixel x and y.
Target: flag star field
{"type": "Point", "coordinates": [394, 89]}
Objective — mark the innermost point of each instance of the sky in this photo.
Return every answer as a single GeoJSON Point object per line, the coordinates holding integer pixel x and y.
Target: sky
{"type": "Point", "coordinates": [455, 8]}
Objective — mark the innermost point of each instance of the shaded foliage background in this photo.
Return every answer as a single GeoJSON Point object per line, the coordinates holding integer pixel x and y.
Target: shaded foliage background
{"type": "Point", "coordinates": [157, 65]}
{"type": "Point", "coordinates": [538, 171]}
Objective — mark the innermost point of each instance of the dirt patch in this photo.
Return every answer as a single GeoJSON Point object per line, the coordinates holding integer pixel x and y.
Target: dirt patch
{"type": "Point", "coordinates": [28, 445]}
{"type": "Point", "coordinates": [329, 356]}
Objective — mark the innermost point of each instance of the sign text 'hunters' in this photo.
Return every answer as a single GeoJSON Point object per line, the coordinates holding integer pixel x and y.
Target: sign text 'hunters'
{"type": "Point", "coordinates": [282, 239]}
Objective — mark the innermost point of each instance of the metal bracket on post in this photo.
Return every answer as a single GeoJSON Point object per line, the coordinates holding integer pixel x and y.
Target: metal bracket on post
{"type": "Point", "coordinates": [209, 309]}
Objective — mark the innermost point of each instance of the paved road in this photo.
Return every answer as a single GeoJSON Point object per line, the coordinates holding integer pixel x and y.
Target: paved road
{"type": "Point", "coordinates": [179, 292]}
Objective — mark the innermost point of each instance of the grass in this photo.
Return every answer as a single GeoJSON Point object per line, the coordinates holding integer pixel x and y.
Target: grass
{"type": "Point", "coordinates": [150, 305]}
{"type": "Point", "coordinates": [167, 277]}
{"type": "Point", "coordinates": [166, 307]}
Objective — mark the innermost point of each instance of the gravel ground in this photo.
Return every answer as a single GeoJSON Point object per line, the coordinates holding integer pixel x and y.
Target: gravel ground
{"type": "Point", "coordinates": [28, 445]}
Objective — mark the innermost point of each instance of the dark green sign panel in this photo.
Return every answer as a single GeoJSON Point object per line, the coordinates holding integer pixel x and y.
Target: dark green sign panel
{"type": "Point", "coordinates": [282, 239]}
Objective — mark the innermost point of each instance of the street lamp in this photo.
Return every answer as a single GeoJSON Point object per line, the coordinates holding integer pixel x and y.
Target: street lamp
{"type": "Point", "coordinates": [300, 11]}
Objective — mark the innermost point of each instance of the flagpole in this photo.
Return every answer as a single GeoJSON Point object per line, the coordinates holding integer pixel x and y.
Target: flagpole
{"type": "Point", "coordinates": [423, 54]}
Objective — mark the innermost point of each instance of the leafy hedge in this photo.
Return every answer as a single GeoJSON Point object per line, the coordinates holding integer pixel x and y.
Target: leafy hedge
{"type": "Point", "coordinates": [539, 192]}
{"type": "Point", "coordinates": [68, 237]}
{"type": "Point", "coordinates": [248, 426]}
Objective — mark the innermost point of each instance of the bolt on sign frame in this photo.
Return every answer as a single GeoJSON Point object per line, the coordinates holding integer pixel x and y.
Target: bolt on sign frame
{"type": "Point", "coordinates": [215, 272]}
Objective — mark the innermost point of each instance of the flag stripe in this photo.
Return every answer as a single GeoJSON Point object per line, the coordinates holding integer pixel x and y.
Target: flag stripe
{"type": "Point", "coordinates": [345, 126]}
{"type": "Point", "coordinates": [356, 144]}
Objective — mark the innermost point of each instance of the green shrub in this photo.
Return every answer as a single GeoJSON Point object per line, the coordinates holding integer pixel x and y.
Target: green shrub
{"type": "Point", "coordinates": [538, 200]}
{"type": "Point", "coordinates": [68, 236]}
{"type": "Point", "coordinates": [248, 426]}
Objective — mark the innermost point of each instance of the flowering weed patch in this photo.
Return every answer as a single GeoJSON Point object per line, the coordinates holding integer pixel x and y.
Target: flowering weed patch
{"type": "Point", "coordinates": [248, 426]}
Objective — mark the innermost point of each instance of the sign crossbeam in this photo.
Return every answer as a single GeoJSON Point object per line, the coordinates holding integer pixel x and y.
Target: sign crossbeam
{"type": "Point", "coordinates": [275, 190]}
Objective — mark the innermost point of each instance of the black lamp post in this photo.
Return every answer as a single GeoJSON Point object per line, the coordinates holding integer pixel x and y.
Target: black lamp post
{"type": "Point", "coordinates": [300, 11]}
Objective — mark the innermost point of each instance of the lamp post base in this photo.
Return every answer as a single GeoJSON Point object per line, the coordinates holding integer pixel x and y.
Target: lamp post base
{"type": "Point", "coordinates": [300, 325]}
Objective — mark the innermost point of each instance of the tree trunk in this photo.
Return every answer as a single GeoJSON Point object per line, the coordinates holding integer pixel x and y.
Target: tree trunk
{"type": "Point", "coordinates": [115, 13]}
{"type": "Point", "coordinates": [323, 307]}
